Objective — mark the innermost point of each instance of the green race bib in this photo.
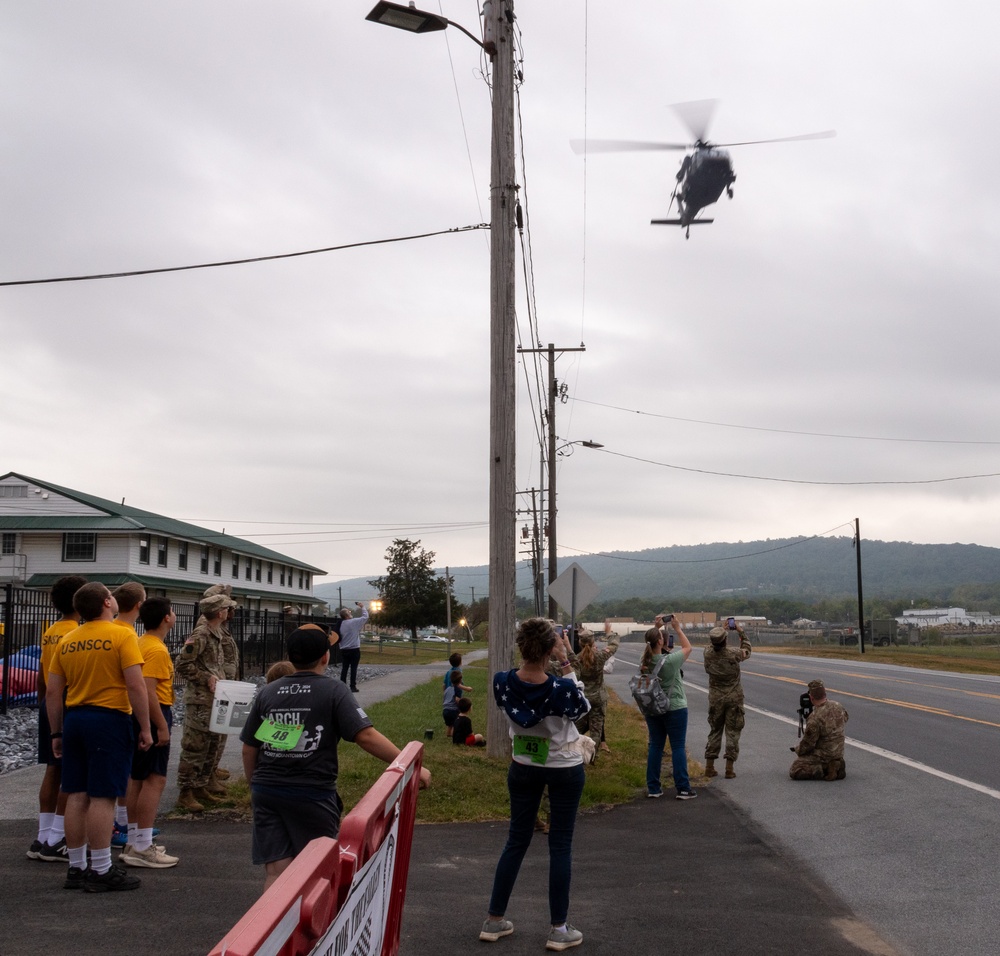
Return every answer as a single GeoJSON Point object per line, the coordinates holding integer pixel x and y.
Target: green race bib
{"type": "Point", "coordinates": [279, 736]}
{"type": "Point", "coordinates": [537, 748]}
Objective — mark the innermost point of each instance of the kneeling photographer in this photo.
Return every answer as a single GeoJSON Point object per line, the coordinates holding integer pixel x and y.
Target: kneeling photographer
{"type": "Point", "coordinates": [820, 752]}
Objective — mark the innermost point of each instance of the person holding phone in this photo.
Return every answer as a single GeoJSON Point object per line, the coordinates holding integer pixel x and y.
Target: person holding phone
{"type": "Point", "coordinates": [725, 696]}
{"type": "Point", "coordinates": [673, 724]}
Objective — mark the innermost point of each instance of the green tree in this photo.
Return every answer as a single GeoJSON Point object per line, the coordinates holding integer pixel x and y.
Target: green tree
{"type": "Point", "coordinates": [412, 594]}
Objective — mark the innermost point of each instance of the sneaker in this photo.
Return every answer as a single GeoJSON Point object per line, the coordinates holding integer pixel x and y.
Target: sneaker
{"type": "Point", "coordinates": [493, 929]}
{"type": "Point", "coordinates": [35, 850]}
{"type": "Point", "coordinates": [119, 836]}
{"type": "Point", "coordinates": [153, 857]}
{"type": "Point", "coordinates": [75, 878]}
{"type": "Point", "coordinates": [560, 939]}
{"type": "Point", "coordinates": [654, 794]}
{"type": "Point", "coordinates": [54, 854]}
{"type": "Point", "coordinates": [354, 690]}
{"type": "Point", "coordinates": [685, 795]}
{"type": "Point", "coordinates": [115, 879]}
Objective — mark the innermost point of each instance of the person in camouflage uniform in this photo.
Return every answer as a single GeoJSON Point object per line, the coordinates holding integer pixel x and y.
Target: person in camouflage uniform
{"type": "Point", "coordinates": [820, 753]}
{"type": "Point", "coordinates": [725, 698]}
{"type": "Point", "coordinates": [201, 662]}
{"type": "Point", "coordinates": [589, 667]}
{"type": "Point", "coordinates": [231, 667]}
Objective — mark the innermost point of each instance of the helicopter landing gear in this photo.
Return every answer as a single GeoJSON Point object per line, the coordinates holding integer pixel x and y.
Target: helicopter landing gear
{"type": "Point", "coordinates": [729, 191]}
{"type": "Point", "coordinates": [687, 233]}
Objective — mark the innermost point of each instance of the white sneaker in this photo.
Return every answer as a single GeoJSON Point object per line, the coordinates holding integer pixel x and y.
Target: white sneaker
{"type": "Point", "coordinates": [154, 857]}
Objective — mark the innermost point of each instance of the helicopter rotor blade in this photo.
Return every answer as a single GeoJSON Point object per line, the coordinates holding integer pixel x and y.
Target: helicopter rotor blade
{"type": "Point", "coordinates": [581, 146]}
{"type": "Point", "coordinates": [825, 134]}
{"type": "Point", "coordinates": [696, 115]}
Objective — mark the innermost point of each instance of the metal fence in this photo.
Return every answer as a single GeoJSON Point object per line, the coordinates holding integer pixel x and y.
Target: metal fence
{"type": "Point", "coordinates": [25, 614]}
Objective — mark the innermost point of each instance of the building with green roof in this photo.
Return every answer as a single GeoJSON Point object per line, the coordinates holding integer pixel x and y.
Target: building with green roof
{"type": "Point", "coordinates": [47, 531]}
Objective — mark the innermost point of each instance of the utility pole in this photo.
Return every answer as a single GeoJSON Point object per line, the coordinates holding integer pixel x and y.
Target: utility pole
{"type": "Point", "coordinates": [861, 598]}
{"type": "Point", "coordinates": [498, 21]}
{"type": "Point", "coordinates": [553, 389]}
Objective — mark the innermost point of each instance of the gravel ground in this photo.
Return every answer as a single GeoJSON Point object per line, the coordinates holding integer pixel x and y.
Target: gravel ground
{"type": "Point", "coordinates": [19, 726]}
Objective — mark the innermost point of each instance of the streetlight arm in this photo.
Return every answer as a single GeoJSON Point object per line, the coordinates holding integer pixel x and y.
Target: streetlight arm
{"type": "Point", "coordinates": [418, 21]}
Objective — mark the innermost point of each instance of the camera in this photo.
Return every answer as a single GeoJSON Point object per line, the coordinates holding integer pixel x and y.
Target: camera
{"type": "Point", "coordinates": [731, 623]}
{"type": "Point", "coordinates": [805, 709]}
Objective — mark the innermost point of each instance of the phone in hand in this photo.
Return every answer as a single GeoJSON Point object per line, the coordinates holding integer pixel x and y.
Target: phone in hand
{"type": "Point", "coordinates": [731, 623]}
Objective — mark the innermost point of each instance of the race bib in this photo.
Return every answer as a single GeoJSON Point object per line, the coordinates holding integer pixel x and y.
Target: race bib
{"type": "Point", "coordinates": [279, 736]}
{"type": "Point", "coordinates": [536, 748]}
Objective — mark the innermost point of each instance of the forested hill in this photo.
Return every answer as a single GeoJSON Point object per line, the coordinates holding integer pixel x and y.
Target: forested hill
{"type": "Point", "coordinates": [806, 568]}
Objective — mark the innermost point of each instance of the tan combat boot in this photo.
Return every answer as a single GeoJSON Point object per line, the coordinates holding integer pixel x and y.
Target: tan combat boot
{"type": "Point", "coordinates": [221, 773]}
{"type": "Point", "coordinates": [188, 801]}
{"type": "Point", "coordinates": [730, 772]}
{"type": "Point", "coordinates": [217, 787]}
{"type": "Point", "coordinates": [206, 796]}
{"type": "Point", "coordinates": [710, 770]}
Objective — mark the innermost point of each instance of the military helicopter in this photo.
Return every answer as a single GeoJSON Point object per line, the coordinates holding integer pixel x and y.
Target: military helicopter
{"type": "Point", "coordinates": [704, 173]}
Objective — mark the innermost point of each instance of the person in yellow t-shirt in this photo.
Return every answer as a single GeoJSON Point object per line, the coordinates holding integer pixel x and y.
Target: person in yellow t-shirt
{"type": "Point", "coordinates": [149, 767]}
{"type": "Point", "coordinates": [99, 667]}
{"type": "Point", "coordinates": [50, 844]}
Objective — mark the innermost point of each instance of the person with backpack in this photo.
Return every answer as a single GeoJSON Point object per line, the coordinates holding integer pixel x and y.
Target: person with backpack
{"type": "Point", "coordinates": [665, 664]}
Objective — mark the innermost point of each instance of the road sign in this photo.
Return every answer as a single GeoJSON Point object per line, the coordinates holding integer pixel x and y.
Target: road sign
{"type": "Point", "coordinates": [574, 589]}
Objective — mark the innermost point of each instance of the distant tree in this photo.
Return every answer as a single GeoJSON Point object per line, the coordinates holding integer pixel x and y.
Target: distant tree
{"type": "Point", "coordinates": [412, 594]}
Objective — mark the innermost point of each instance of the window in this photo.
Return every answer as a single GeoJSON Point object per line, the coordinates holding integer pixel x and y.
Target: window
{"type": "Point", "coordinates": [270, 572]}
{"type": "Point", "coordinates": [79, 546]}
{"type": "Point", "coordinates": [307, 582]}
{"type": "Point", "coordinates": [13, 491]}
{"type": "Point", "coordinates": [217, 568]}
{"type": "Point", "coordinates": [249, 568]}
{"type": "Point", "coordinates": [143, 549]}
{"type": "Point", "coordinates": [182, 555]}
{"type": "Point", "coordinates": [282, 575]}
{"type": "Point", "coordinates": [9, 543]}
{"type": "Point", "coordinates": [161, 552]}
{"type": "Point", "coordinates": [204, 560]}
{"type": "Point", "coordinates": [256, 570]}
{"type": "Point", "coordinates": [236, 565]}
{"type": "Point", "coordinates": [300, 580]}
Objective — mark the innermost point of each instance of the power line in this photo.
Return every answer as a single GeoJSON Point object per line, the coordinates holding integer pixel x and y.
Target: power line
{"type": "Point", "coordinates": [239, 262]}
{"type": "Point", "coordinates": [785, 431]}
{"type": "Point", "coordinates": [796, 481]}
{"type": "Point", "coordinates": [731, 557]}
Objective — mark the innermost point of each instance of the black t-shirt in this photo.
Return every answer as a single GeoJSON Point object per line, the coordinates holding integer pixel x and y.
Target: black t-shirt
{"type": "Point", "coordinates": [462, 729]}
{"type": "Point", "coordinates": [326, 711]}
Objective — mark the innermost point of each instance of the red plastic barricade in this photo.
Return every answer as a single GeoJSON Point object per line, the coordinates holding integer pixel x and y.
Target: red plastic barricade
{"type": "Point", "coordinates": [338, 891]}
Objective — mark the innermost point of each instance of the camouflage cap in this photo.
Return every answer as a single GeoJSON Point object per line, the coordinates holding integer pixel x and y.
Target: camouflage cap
{"type": "Point", "coordinates": [215, 603]}
{"type": "Point", "coordinates": [226, 589]}
{"type": "Point", "coordinates": [718, 635]}
{"type": "Point", "coordinates": [817, 688]}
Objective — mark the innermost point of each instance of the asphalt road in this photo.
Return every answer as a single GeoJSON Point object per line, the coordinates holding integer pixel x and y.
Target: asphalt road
{"type": "Point", "coordinates": [909, 839]}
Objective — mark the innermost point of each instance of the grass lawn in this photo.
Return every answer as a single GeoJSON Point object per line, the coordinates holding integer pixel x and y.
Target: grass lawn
{"type": "Point", "coordinates": [406, 652]}
{"type": "Point", "coordinates": [468, 785]}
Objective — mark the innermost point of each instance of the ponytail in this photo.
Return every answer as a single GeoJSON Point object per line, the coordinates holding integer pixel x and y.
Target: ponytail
{"type": "Point", "coordinates": [653, 637]}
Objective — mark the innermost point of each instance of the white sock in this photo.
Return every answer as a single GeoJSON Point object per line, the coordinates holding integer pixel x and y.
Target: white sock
{"type": "Point", "coordinates": [100, 860]}
{"type": "Point", "coordinates": [44, 825]}
{"type": "Point", "coordinates": [560, 929]}
{"type": "Point", "coordinates": [133, 829]}
{"type": "Point", "coordinates": [143, 838]}
{"type": "Point", "coordinates": [78, 856]}
{"type": "Point", "coordinates": [121, 814]}
{"type": "Point", "coordinates": [58, 829]}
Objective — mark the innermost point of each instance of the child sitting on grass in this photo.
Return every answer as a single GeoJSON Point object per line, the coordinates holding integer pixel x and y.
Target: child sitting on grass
{"type": "Point", "coordinates": [462, 731]}
{"type": "Point", "coordinates": [452, 695]}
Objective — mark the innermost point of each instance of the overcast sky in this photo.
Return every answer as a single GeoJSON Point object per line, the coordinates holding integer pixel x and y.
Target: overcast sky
{"type": "Point", "coordinates": [835, 327]}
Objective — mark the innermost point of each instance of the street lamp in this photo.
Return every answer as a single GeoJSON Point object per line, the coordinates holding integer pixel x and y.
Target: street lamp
{"type": "Point", "coordinates": [498, 27]}
{"type": "Point", "coordinates": [553, 560]}
{"type": "Point", "coordinates": [464, 623]}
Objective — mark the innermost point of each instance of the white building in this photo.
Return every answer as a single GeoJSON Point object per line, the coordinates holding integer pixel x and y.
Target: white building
{"type": "Point", "coordinates": [940, 616]}
{"type": "Point", "coordinates": [47, 531]}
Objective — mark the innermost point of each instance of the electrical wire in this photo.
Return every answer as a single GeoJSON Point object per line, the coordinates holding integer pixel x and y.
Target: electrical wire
{"type": "Point", "coordinates": [796, 481]}
{"type": "Point", "coordinates": [239, 262]}
{"type": "Point", "coordinates": [785, 431]}
{"type": "Point", "coordinates": [732, 557]}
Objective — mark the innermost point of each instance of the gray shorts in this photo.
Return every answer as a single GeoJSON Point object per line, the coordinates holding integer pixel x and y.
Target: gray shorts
{"type": "Point", "coordinates": [283, 826]}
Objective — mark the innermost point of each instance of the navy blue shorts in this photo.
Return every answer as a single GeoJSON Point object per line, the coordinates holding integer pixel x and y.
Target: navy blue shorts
{"type": "Point", "coordinates": [449, 717]}
{"type": "Point", "coordinates": [154, 760]}
{"type": "Point", "coordinates": [284, 825]}
{"type": "Point", "coordinates": [97, 751]}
